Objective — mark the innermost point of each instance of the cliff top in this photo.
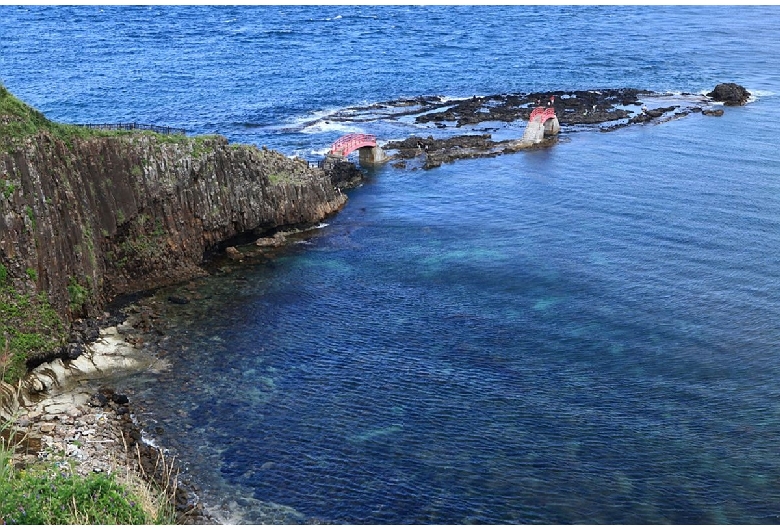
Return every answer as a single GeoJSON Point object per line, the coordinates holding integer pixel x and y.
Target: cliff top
{"type": "Point", "coordinates": [19, 120]}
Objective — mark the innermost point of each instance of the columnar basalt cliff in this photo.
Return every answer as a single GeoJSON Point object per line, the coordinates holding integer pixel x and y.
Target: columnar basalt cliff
{"type": "Point", "coordinates": [84, 219]}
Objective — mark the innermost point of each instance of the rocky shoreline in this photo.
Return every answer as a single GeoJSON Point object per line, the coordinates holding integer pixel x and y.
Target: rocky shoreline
{"type": "Point", "coordinates": [70, 415]}
{"type": "Point", "coordinates": [78, 414]}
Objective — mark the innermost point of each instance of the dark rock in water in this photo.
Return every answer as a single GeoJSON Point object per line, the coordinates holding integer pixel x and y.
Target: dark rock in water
{"type": "Point", "coordinates": [650, 114]}
{"type": "Point", "coordinates": [276, 241]}
{"type": "Point", "coordinates": [730, 94]}
{"type": "Point", "coordinates": [713, 112]}
{"type": "Point", "coordinates": [98, 400]}
{"type": "Point", "coordinates": [571, 107]}
{"type": "Point", "coordinates": [181, 300]}
{"type": "Point", "coordinates": [234, 254]}
{"type": "Point", "coordinates": [446, 150]}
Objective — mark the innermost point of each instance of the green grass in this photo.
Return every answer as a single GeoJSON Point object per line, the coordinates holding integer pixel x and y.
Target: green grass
{"type": "Point", "coordinates": [277, 178]}
{"type": "Point", "coordinates": [48, 494]}
{"type": "Point", "coordinates": [8, 188]}
{"type": "Point", "coordinates": [29, 326]}
{"type": "Point", "coordinates": [19, 121]}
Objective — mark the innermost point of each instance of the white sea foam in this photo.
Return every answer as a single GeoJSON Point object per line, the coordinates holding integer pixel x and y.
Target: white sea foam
{"type": "Point", "coordinates": [756, 94]}
{"type": "Point", "coordinates": [330, 126]}
{"type": "Point", "coordinates": [314, 116]}
{"type": "Point", "coordinates": [148, 440]}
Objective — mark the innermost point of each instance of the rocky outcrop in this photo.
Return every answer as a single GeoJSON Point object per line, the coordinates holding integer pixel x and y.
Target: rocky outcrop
{"type": "Point", "coordinates": [572, 108]}
{"type": "Point", "coordinates": [731, 94]}
{"type": "Point", "coordinates": [87, 220]}
{"type": "Point", "coordinates": [343, 174]}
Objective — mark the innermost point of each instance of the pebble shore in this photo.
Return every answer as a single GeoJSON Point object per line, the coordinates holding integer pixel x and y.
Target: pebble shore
{"type": "Point", "coordinates": [83, 426]}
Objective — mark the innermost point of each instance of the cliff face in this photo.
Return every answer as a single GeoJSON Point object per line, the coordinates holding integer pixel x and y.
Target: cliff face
{"type": "Point", "coordinates": [87, 219]}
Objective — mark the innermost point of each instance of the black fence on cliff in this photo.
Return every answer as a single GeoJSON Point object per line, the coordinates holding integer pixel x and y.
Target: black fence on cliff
{"type": "Point", "coordinates": [132, 126]}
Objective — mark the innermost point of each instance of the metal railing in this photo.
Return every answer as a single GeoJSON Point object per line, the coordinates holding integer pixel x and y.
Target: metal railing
{"type": "Point", "coordinates": [131, 127]}
{"type": "Point", "coordinates": [542, 114]}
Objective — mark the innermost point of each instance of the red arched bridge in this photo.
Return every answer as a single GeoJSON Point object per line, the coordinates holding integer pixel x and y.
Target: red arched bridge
{"type": "Point", "coordinates": [542, 121]}
{"type": "Point", "coordinates": [346, 144]}
{"type": "Point", "coordinates": [542, 114]}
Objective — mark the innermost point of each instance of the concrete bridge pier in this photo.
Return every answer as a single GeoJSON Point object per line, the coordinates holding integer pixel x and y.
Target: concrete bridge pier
{"type": "Point", "coordinates": [552, 126]}
{"type": "Point", "coordinates": [534, 132]}
{"type": "Point", "coordinates": [371, 155]}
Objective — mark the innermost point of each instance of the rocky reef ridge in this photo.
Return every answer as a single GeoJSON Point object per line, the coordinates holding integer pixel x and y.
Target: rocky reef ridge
{"type": "Point", "coordinates": [606, 109]}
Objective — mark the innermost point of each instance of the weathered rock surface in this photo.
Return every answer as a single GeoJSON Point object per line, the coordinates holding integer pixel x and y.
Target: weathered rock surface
{"type": "Point", "coordinates": [571, 107]}
{"type": "Point", "coordinates": [103, 217]}
{"type": "Point", "coordinates": [731, 94]}
{"type": "Point", "coordinates": [439, 151]}
{"type": "Point", "coordinates": [343, 174]}
{"type": "Point", "coordinates": [62, 414]}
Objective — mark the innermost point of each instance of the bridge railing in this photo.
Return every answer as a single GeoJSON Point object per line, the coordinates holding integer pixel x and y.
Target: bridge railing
{"type": "Point", "coordinates": [542, 114]}
{"type": "Point", "coordinates": [132, 126]}
{"type": "Point", "coordinates": [348, 143]}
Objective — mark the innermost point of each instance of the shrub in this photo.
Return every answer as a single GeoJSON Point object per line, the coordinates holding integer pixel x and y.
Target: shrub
{"type": "Point", "coordinates": [29, 326]}
{"type": "Point", "coordinates": [77, 294]}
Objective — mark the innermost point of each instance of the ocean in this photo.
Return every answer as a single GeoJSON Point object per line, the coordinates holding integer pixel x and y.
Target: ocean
{"type": "Point", "coordinates": [588, 333]}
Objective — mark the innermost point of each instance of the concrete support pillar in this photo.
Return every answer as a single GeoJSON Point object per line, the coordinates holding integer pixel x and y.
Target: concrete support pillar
{"type": "Point", "coordinates": [371, 155]}
{"type": "Point", "coordinates": [552, 126]}
{"type": "Point", "coordinates": [534, 132]}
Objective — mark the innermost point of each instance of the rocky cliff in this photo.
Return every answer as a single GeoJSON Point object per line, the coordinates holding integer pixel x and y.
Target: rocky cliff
{"type": "Point", "coordinates": [85, 216]}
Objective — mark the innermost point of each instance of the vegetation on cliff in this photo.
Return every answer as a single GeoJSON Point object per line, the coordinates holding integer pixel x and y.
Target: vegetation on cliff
{"type": "Point", "coordinates": [19, 121]}
{"type": "Point", "coordinates": [28, 326]}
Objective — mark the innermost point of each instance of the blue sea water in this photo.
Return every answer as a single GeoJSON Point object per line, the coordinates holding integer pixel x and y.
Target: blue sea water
{"type": "Point", "coordinates": [584, 334]}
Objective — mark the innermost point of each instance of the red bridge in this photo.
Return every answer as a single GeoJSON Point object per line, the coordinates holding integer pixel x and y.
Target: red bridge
{"type": "Point", "coordinates": [346, 144]}
{"type": "Point", "coordinates": [542, 114]}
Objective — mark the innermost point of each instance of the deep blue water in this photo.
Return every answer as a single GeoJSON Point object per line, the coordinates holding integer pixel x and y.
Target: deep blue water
{"type": "Point", "coordinates": [583, 334]}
